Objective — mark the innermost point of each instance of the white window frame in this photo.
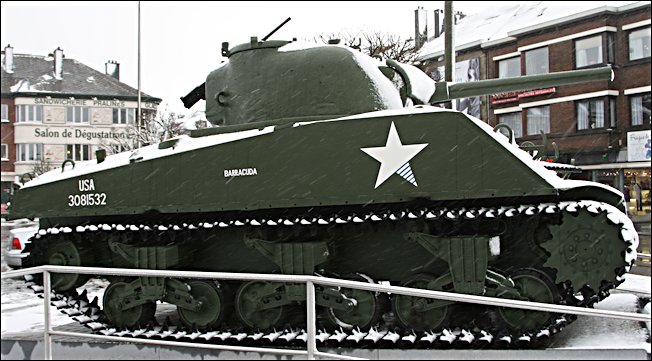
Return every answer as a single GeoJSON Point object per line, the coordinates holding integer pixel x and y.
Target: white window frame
{"type": "Point", "coordinates": [507, 62]}
{"type": "Point", "coordinates": [591, 114]}
{"type": "Point", "coordinates": [77, 152]}
{"type": "Point", "coordinates": [124, 115]}
{"type": "Point", "coordinates": [4, 152]}
{"type": "Point", "coordinates": [530, 127]}
{"type": "Point", "coordinates": [644, 54]}
{"type": "Point", "coordinates": [29, 152]}
{"type": "Point", "coordinates": [636, 115]}
{"type": "Point", "coordinates": [5, 113]}
{"type": "Point", "coordinates": [78, 115]}
{"type": "Point", "coordinates": [587, 62]}
{"type": "Point", "coordinates": [517, 128]}
{"type": "Point", "coordinates": [29, 113]}
{"type": "Point", "coordinates": [532, 69]}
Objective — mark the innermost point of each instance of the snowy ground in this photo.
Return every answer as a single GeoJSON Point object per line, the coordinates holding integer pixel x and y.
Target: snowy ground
{"type": "Point", "coordinates": [606, 333]}
{"type": "Point", "coordinates": [22, 310]}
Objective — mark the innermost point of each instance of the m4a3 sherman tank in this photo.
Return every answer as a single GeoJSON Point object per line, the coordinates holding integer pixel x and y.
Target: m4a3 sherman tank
{"type": "Point", "coordinates": [325, 161]}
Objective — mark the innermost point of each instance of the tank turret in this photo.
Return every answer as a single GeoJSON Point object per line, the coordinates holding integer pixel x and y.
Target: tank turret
{"type": "Point", "coordinates": [285, 81]}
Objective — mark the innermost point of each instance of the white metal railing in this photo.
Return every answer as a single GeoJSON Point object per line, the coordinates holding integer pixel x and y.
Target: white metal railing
{"type": "Point", "coordinates": [311, 349]}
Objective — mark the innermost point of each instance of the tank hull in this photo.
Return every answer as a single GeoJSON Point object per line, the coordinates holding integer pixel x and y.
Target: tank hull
{"type": "Point", "coordinates": [318, 164]}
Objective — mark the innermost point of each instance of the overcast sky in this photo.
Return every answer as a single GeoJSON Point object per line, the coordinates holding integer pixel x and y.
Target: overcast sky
{"type": "Point", "coordinates": [181, 41]}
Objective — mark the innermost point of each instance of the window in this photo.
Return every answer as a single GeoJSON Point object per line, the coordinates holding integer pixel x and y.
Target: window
{"type": "Point", "coordinates": [536, 61]}
{"type": "Point", "coordinates": [29, 152]}
{"type": "Point", "coordinates": [29, 113]}
{"type": "Point", "coordinates": [596, 113]}
{"type": "Point", "coordinates": [612, 112]}
{"type": "Point", "coordinates": [78, 152]}
{"type": "Point", "coordinates": [514, 120]}
{"type": "Point", "coordinates": [639, 44]}
{"type": "Point", "coordinates": [124, 116]}
{"type": "Point", "coordinates": [77, 114]}
{"type": "Point", "coordinates": [589, 51]}
{"type": "Point", "coordinates": [611, 48]}
{"type": "Point", "coordinates": [5, 152]}
{"type": "Point", "coordinates": [640, 109]}
{"type": "Point", "coordinates": [538, 119]}
{"type": "Point", "coordinates": [5, 113]}
{"type": "Point", "coordinates": [509, 68]}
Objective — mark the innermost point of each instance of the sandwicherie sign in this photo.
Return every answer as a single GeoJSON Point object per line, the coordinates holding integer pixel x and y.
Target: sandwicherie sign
{"type": "Point", "coordinates": [96, 103]}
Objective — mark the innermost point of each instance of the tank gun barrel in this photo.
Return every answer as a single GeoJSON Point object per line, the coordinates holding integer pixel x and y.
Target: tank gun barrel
{"type": "Point", "coordinates": [197, 94]}
{"type": "Point", "coordinates": [276, 29]}
{"type": "Point", "coordinates": [445, 92]}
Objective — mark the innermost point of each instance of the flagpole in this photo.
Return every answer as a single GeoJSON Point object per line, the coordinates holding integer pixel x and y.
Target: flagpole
{"type": "Point", "coordinates": [139, 118]}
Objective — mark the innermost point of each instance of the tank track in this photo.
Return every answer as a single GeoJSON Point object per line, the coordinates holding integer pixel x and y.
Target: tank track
{"type": "Point", "coordinates": [89, 314]}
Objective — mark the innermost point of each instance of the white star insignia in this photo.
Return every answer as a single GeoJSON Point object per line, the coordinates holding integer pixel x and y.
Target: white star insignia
{"type": "Point", "coordinates": [394, 157]}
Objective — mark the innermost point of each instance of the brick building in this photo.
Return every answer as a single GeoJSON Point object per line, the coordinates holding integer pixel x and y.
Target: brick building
{"type": "Point", "coordinates": [603, 127]}
{"type": "Point", "coordinates": [54, 109]}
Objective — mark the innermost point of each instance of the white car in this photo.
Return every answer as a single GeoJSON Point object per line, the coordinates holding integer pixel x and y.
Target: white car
{"type": "Point", "coordinates": [18, 239]}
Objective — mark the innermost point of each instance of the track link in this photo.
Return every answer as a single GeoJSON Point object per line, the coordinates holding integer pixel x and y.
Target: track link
{"type": "Point", "coordinates": [88, 313]}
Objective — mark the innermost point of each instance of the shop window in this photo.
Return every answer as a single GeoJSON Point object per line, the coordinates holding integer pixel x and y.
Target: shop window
{"type": "Point", "coordinates": [509, 68]}
{"type": "Point", "coordinates": [640, 109]}
{"type": "Point", "coordinates": [606, 176]}
{"type": "Point", "coordinates": [5, 152]}
{"type": "Point", "coordinates": [639, 44]}
{"type": "Point", "coordinates": [29, 152]}
{"type": "Point", "coordinates": [78, 115]}
{"type": "Point", "coordinates": [536, 61]}
{"type": "Point", "coordinates": [641, 199]}
{"type": "Point", "coordinates": [124, 115]}
{"type": "Point", "coordinates": [5, 113]}
{"type": "Point", "coordinates": [596, 113]}
{"type": "Point", "coordinates": [514, 121]}
{"type": "Point", "coordinates": [29, 113]}
{"type": "Point", "coordinates": [78, 152]}
{"type": "Point", "coordinates": [538, 120]}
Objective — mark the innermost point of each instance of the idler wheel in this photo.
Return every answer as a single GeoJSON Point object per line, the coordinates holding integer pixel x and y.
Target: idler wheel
{"type": "Point", "coordinates": [367, 312]}
{"type": "Point", "coordinates": [114, 299]}
{"type": "Point", "coordinates": [63, 252]}
{"type": "Point", "coordinates": [536, 286]}
{"type": "Point", "coordinates": [417, 313]}
{"type": "Point", "coordinates": [250, 306]}
{"type": "Point", "coordinates": [211, 311]}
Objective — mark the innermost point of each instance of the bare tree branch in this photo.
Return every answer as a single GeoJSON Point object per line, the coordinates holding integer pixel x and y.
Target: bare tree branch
{"type": "Point", "coordinates": [383, 45]}
{"type": "Point", "coordinates": [164, 125]}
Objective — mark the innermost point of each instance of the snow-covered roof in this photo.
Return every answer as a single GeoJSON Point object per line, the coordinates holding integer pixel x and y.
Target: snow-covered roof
{"type": "Point", "coordinates": [496, 24]}
{"type": "Point", "coordinates": [34, 74]}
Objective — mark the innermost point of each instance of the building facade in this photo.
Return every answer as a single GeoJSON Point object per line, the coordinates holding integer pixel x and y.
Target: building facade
{"type": "Point", "coordinates": [55, 109]}
{"type": "Point", "coordinates": [604, 126]}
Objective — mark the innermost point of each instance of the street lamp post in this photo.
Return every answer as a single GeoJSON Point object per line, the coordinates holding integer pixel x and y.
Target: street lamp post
{"type": "Point", "coordinates": [449, 48]}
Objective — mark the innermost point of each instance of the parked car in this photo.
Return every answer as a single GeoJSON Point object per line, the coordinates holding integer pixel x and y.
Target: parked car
{"type": "Point", "coordinates": [18, 239]}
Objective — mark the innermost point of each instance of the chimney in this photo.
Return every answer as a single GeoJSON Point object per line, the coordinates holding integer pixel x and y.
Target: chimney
{"type": "Point", "coordinates": [438, 22]}
{"type": "Point", "coordinates": [112, 68]}
{"type": "Point", "coordinates": [420, 27]}
{"type": "Point", "coordinates": [58, 63]}
{"type": "Point", "coordinates": [9, 59]}
{"type": "Point", "coordinates": [459, 16]}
